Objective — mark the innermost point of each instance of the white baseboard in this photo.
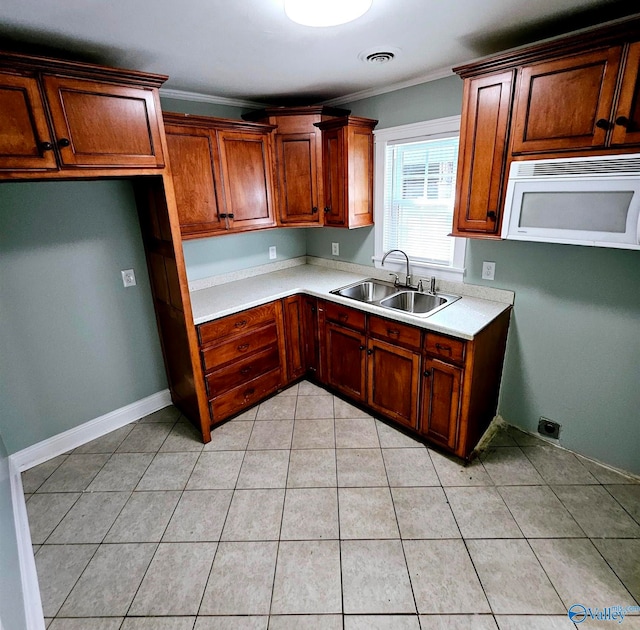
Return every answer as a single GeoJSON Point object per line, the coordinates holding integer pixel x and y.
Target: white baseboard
{"type": "Point", "coordinates": [28, 576]}
{"type": "Point", "coordinates": [43, 451]}
{"type": "Point", "coordinates": [68, 440]}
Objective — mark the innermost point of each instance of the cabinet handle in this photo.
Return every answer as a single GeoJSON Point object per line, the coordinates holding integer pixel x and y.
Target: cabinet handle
{"type": "Point", "coordinates": [492, 215]}
{"type": "Point", "coordinates": [241, 324]}
{"type": "Point", "coordinates": [444, 347]}
{"type": "Point", "coordinates": [603, 123]}
{"type": "Point", "coordinates": [46, 146]}
{"type": "Point", "coordinates": [393, 332]}
{"type": "Point", "coordinates": [623, 121]}
{"type": "Point", "coordinates": [245, 370]}
{"type": "Point", "coordinates": [243, 347]}
{"type": "Point", "coordinates": [63, 142]}
{"type": "Point", "coordinates": [427, 373]}
{"type": "Point", "coordinates": [314, 209]}
{"type": "Point", "coordinates": [327, 209]}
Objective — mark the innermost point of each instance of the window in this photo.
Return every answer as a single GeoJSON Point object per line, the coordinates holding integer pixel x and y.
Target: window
{"type": "Point", "coordinates": [415, 191]}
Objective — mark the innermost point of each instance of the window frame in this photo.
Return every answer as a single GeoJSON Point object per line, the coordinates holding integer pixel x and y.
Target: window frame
{"type": "Point", "coordinates": [414, 132]}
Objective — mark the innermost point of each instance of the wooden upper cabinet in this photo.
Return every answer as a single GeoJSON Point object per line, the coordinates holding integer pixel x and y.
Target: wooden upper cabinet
{"type": "Point", "coordinates": [193, 153]}
{"type": "Point", "coordinates": [246, 178]}
{"type": "Point", "coordinates": [347, 162]}
{"type": "Point", "coordinates": [626, 118]}
{"type": "Point", "coordinates": [566, 103]}
{"type": "Point", "coordinates": [25, 140]}
{"type": "Point", "coordinates": [57, 115]}
{"type": "Point", "coordinates": [482, 158]}
{"type": "Point", "coordinates": [222, 174]}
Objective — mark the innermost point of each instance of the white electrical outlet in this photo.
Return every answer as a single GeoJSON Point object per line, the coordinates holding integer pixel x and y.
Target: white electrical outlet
{"type": "Point", "coordinates": [335, 249]}
{"type": "Point", "coordinates": [128, 277]}
{"type": "Point", "coordinates": [272, 253]}
{"type": "Point", "coordinates": [488, 270]}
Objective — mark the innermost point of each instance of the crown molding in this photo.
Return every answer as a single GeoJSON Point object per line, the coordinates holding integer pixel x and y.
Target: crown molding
{"type": "Point", "coordinates": [209, 98]}
{"type": "Point", "coordinates": [357, 96]}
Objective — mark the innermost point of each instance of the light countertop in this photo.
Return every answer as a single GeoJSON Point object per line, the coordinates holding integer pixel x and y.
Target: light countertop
{"type": "Point", "coordinates": [464, 318]}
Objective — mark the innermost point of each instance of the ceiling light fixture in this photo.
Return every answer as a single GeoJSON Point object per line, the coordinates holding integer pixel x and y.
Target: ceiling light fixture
{"type": "Point", "coordinates": [325, 12]}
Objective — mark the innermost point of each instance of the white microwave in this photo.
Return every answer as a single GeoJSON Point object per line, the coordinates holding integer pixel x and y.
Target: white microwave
{"type": "Point", "coordinates": [580, 201]}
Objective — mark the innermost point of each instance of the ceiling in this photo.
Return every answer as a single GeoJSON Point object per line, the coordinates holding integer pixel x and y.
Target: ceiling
{"type": "Point", "coordinates": [248, 50]}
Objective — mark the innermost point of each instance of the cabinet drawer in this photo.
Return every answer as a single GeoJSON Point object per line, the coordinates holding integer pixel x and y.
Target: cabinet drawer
{"type": "Point", "coordinates": [344, 315]}
{"type": "Point", "coordinates": [245, 395]}
{"type": "Point", "coordinates": [239, 346]}
{"type": "Point", "coordinates": [394, 332]}
{"type": "Point", "coordinates": [445, 347]}
{"type": "Point", "coordinates": [234, 324]}
{"type": "Point", "coordinates": [239, 372]}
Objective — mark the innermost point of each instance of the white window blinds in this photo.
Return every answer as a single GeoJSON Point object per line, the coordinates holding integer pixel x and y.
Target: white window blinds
{"type": "Point", "coordinates": [419, 191]}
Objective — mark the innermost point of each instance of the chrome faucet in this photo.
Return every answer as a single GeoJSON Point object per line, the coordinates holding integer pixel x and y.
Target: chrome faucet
{"type": "Point", "coordinates": [408, 278]}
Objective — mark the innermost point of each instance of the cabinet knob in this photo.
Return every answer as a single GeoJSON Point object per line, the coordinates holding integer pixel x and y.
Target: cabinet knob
{"type": "Point", "coordinates": [492, 215]}
{"type": "Point", "coordinates": [603, 123]}
{"type": "Point", "coordinates": [623, 121]}
{"type": "Point", "coordinates": [369, 352]}
{"type": "Point", "coordinates": [441, 346]}
{"type": "Point", "coordinates": [361, 348]}
{"type": "Point", "coordinates": [393, 332]}
{"type": "Point", "coordinates": [241, 324]}
{"type": "Point", "coordinates": [314, 209]}
{"type": "Point", "coordinates": [327, 209]}
{"type": "Point", "coordinates": [242, 347]}
{"type": "Point", "coordinates": [46, 146]}
{"type": "Point", "coordinates": [343, 317]}
{"type": "Point", "coordinates": [230, 215]}
{"type": "Point", "coordinates": [426, 373]}
{"type": "Point", "coordinates": [245, 370]}
{"type": "Point", "coordinates": [63, 142]}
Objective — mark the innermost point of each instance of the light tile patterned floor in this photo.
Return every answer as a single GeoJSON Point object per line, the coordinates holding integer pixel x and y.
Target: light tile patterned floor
{"type": "Point", "coordinates": [307, 513]}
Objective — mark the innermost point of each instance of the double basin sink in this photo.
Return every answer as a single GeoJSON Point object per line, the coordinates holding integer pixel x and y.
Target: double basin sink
{"type": "Point", "coordinates": [388, 295]}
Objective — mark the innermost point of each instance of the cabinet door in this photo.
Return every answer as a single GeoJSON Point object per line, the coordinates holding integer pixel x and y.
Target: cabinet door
{"type": "Point", "coordinates": [359, 176]}
{"type": "Point", "coordinates": [482, 158]}
{"type": "Point", "coordinates": [565, 104]}
{"type": "Point", "coordinates": [626, 119]}
{"type": "Point", "coordinates": [441, 384]}
{"type": "Point", "coordinates": [297, 172]}
{"type": "Point", "coordinates": [104, 125]}
{"type": "Point", "coordinates": [246, 178]}
{"type": "Point", "coordinates": [311, 352]}
{"type": "Point", "coordinates": [334, 174]}
{"type": "Point", "coordinates": [192, 152]}
{"type": "Point", "coordinates": [345, 360]}
{"type": "Point", "coordinates": [25, 140]}
{"type": "Point", "coordinates": [393, 381]}
{"type": "Point", "coordinates": [295, 334]}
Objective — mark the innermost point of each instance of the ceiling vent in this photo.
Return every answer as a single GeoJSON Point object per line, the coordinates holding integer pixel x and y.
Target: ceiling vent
{"type": "Point", "coordinates": [378, 56]}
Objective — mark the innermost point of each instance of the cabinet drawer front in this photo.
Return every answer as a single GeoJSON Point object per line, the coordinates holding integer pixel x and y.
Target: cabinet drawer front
{"type": "Point", "coordinates": [239, 347]}
{"type": "Point", "coordinates": [445, 347]}
{"type": "Point", "coordinates": [345, 316]}
{"type": "Point", "coordinates": [239, 372]}
{"type": "Point", "coordinates": [394, 332]}
{"type": "Point", "coordinates": [245, 395]}
{"type": "Point", "coordinates": [235, 324]}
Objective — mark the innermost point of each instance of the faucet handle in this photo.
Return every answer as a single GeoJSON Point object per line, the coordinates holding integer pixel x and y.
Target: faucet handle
{"type": "Point", "coordinates": [420, 286]}
{"type": "Point", "coordinates": [395, 279]}
{"type": "Point", "coordinates": [432, 285]}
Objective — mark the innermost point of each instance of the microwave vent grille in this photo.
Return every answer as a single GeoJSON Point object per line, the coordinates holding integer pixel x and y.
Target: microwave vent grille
{"type": "Point", "coordinates": [610, 167]}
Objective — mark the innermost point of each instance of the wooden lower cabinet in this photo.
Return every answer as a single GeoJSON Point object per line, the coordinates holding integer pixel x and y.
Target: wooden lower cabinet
{"type": "Point", "coordinates": [295, 334]}
{"type": "Point", "coordinates": [243, 358]}
{"type": "Point", "coordinates": [345, 358]}
{"type": "Point", "coordinates": [440, 403]}
{"type": "Point", "coordinates": [393, 381]}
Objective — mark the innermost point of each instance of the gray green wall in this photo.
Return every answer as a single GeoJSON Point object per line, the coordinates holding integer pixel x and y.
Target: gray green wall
{"type": "Point", "coordinates": [74, 343]}
{"type": "Point", "coordinates": [573, 353]}
{"type": "Point", "coordinates": [11, 596]}
{"type": "Point", "coordinates": [200, 108]}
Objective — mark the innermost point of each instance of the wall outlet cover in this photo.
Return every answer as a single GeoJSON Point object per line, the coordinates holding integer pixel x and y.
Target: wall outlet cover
{"type": "Point", "coordinates": [488, 270]}
{"type": "Point", "coordinates": [128, 277]}
{"type": "Point", "coordinates": [335, 249]}
{"type": "Point", "coordinates": [272, 253]}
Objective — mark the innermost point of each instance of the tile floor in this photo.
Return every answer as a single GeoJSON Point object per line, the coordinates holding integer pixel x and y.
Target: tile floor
{"type": "Point", "coordinates": [307, 513]}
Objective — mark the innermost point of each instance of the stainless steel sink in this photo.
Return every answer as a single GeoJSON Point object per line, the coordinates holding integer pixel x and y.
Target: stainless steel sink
{"type": "Point", "coordinates": [416, 303]}
{"type": "Point", "coordinates": [367, 291]}
{"type": "Point", "coordinates": [387, 295]}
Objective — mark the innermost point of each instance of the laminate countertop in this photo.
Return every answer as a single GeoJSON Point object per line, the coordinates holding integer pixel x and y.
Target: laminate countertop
{"type": "Point", "coordinates": [464, 318]}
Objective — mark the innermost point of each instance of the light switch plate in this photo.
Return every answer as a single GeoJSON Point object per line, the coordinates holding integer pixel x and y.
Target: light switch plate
{"type": "Point", "coordinates": [272, 253]}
